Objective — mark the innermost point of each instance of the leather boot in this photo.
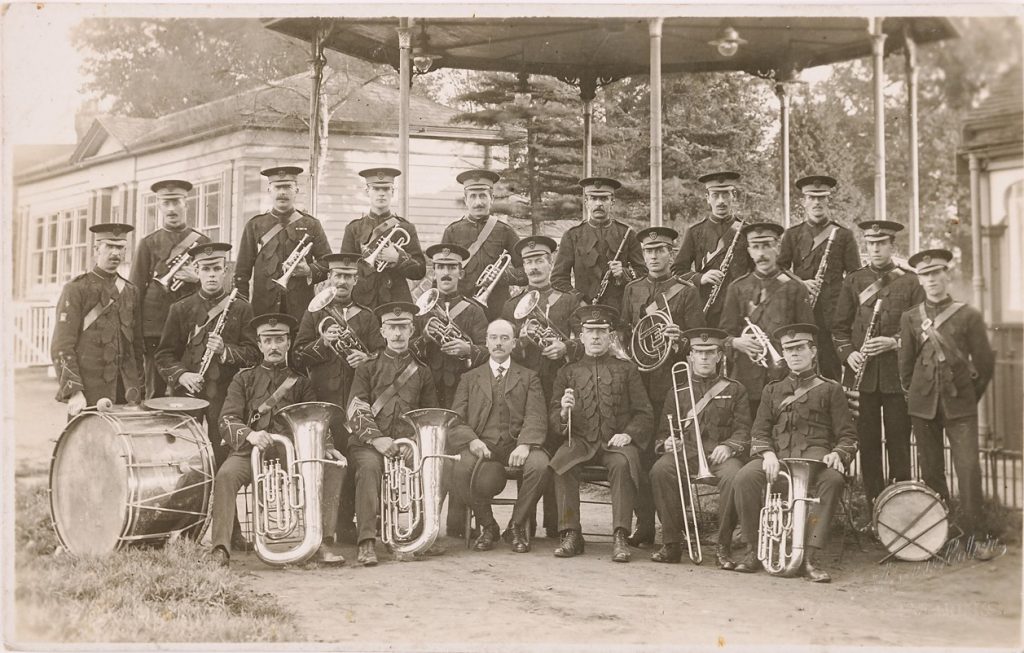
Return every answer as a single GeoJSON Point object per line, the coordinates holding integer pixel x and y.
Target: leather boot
{"type": "Point", "coordinates": [220, 556]}
{"type": "Point", "coordinates": [327, 557]}
{"type": "Point", "coordinates": [644, 534]}
{"type": "Point", "coordinates": [572, 544]}
{"type": "Point", "coordinates": [724, 558]}
{"type": "Point", "coordinates": [520, 543]}
{"type": "Point", "coordinates": [367, 555]}
{"type": "Point", "coordinates": [813, 573]}
{"type": "Point", "coordinates": [620, 548]}
{"type": "Point", "coordinates": [489, 534]}
{"type": "Point", "coordinates": [671, 552]}
{"type": "Point", "coordinates": [749, 564]}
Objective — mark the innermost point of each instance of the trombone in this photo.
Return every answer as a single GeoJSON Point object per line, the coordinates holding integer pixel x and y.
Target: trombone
{"type": "Point", "coordinates": [538, 326]}
{"type": "Point", "coordinates": [677, 430]}
{"type": "Point", "coordinates": [397, 236]}
{"type": "Point", "coordinates": [300, 252]}
{"type": "Point", "coordinates": [489, 278]}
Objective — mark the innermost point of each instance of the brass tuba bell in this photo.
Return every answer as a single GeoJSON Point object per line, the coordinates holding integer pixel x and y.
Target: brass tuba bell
{"type": "Point", "coordinates": [783, 522]}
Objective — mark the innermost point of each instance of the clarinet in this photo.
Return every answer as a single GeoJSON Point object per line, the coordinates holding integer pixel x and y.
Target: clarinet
{"type": "Point", "coordinates": [217, 330]}
{"type": "Point", "coordinates": [724, 267]}
{"type": "Point", "coordinates": [607, 278]}
{"type": "Point", "coordinates": [868, 335]}
{"type": "Point", "coordinates": [819, 276]}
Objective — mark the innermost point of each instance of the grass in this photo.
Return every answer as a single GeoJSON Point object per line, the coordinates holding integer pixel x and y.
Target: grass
{"type": "Point", "coordinates": [171, 594]}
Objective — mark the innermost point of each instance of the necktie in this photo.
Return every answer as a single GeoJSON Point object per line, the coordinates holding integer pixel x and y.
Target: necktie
{"type": "Point", "coordinates": [500, 374]}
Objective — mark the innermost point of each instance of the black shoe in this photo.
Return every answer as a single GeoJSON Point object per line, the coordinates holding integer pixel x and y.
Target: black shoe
{"type": "Point", "coordinates": [572, 544]}
{"type": "Point", "coordinates": [520, 543]}
{"type": "Point", "coordinates": [220, 556]}
{"type": "Point", "coordinates": [644, 534]}
{"type": "Point", "coordinates": [672, 552]}
{"type": "Point", "coordinates": [988, 550]}
{"type": "Point", "coordinates": [367, 555]}
{"type": "Point", "coordinates": [749, 564]}
{"type": "Point", "coordinates": [327, 557]}
{"type": "Point", "coordinates": [551, 533]}
{"type": "Point", "coordinates": [724, 558]}
{"type": "Point", "coordinates": [346, 535]}
{"type": "Point", "coordinates": [488, 536]}
{"type": "Point", "coordinates": [620, 549]}
{"type": "Point", "coordinates": [814, 574]}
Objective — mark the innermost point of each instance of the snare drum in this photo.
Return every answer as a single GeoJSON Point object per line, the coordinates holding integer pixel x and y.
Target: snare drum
{"type": "Point", "coordinates": [130, 476]}
{"type": "Point", "coordinates": [911, 520]}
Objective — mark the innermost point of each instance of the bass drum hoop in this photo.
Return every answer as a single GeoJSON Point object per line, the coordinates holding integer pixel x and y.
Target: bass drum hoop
{"type": "Point", "coordinates": [919, 551]}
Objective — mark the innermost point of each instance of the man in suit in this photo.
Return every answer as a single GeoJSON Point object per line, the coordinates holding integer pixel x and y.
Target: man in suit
{"type": "Point", "coordinates": [154, 257]}
{"type": "Point", "coordinates": [707, 243]}
{"type": "Point", "coordinates": [597, 246]}
{"type": "Point", "coordinates": [97, 338]}
{"type": "Point", "coordinates": [484, 237]}
{"type": "Point", "coordinates": [189, 334]}
{"type": "Point", "coordinates": [402, 264]}
{"type": "Point", "coordinates": [504, 423]}
{"type": "Point", "coordinates": [249, 418]}
{"type": "Point", "coordinates": [946, 363]}
{"type": "Point", "coordinates": [601, 409]}
{"type": "Point", "coordinates": [269, 239]}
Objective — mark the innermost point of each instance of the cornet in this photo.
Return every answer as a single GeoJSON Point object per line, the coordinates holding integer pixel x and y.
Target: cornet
{"type": "Point", "coordinates": [650, 346]}
{"type": "Point", "coordinates": [488, 279]}
{"type": "Point", "coordinates": [397, 236]}
{"type": "Point", "coordinates": [537, 327]}
{"type": "Point", "coordinates": [767, 349]}
{"type": "Point", "coordinates": [439, 327]}
{"type": "Point", "coordinates": [347, 341]}
{"type": "Point", "coordinates": [168, 281]}
{"type": "Point", "coordinates": [288, 268]}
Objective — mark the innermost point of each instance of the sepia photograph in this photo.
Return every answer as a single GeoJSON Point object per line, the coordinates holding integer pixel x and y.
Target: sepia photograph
{"type": "Point", "coordinates": [512, 327]}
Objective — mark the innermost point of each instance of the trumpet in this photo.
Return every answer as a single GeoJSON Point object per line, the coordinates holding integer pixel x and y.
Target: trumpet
{"type": "Point", "coordinates": [782, 523]}
{"type": "Point", "coordinates": [347, 341]}
{"type": "Point", "coordinates": [538, 326]}
{"type": "Point", "coordinates": [440, 327]}
{"type": "Point", "coordinates": [488, 279]}
{"type": "Point", "coordinates": [168, 281]}
{"type": "Point", "coordinates": [677, 430]}
{"type": "Point", "coordinates": [288, 268]}
{"type": "Point", "coordinates": [767, 349]}
{"type": "Point", "coordinates": [397, 236]}
{"type": "Point", "coordinates": [650, 347]}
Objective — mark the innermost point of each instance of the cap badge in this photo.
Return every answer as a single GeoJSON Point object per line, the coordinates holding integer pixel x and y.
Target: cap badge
{"type": "Point", "coordinates": [704, 337]}
{"type": "Point", "coordinates": [446, 252]}
{"type": "Point", "coordinates": [272, 321]}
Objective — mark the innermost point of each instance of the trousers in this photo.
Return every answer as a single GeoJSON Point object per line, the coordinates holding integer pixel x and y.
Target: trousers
{"type": "Point", "coordinates": [962, 434]}
{"type": "Point", "coordinates": [567, 492]}
{"type": "Point", "coordinates": [665, 483]}
{"type": "Point", "coordinates": [156, 386]}
{"type": "Point", "coordinates": [876, 409]}
{"type": "Point", "coordinates": [535, 474]}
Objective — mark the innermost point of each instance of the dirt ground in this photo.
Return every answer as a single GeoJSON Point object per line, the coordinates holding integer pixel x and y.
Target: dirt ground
{"type": "Point", "coordinates": [468, 600]}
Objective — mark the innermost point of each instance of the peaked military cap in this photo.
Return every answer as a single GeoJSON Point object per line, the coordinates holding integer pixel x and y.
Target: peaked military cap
{"type": "Point", "coordinates": [599, 185]}
{"type": "Point", "coordinates": [705, 338]}
{"type": "Point", "coordinates": [718, 181]}
{"type": "Point", "coordinates": [396, 312]}
{"type": "Point", "coordinates": [793, 334]}
{"type": "Point", "coordinates": [652, 237]}
{"type": "Point", "coordinates": [478, 179]}
{"type": "Point", "coordinates": [879, 229]}
{"type": "Point", "coordinates": [380, 176]}
{"type": "Point", "coordinates": [930, 260]}
{"type": "Point", "coordinates": [273, 324]}
{"type": "Point", "coordinates": [816, 185]}
{"type": "Point", "coordinates": [206, 251]}
{"type": "Point", "coordinates": [282, 173]}
{"type": "Point", "coordinates": [342, 261]}
{"type": "Point", "coordinates": [169, 188]}
{"type": "Point", "coordinates": [535, 246]}
{"type": "Point", "coordinates": [762, 232]}
{"type": "Point", "coordinates": [447, 253]}
{"type": "Point", "coordinates": [111, 231]}
{"type": "Point", "coordinates": [596, 315]}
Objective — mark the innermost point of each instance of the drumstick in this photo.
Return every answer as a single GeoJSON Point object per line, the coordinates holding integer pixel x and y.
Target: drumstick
{"type": "Point", "coordinates": [103, 405]}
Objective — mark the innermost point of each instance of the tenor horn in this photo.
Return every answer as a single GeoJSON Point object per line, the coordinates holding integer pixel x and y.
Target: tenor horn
{"type": "Point", "coordinates": [538, 326]}
{"type": "Point", "coordinates": [287, 496]}
{"type": "Point", "coordinates": [347, 340]}
{"type": "Point", "coordinates": [783, 522]}
{"type": "Point", "coordinates": [410, 497]}
{"type": "Point", "coordinates": [439, 326]}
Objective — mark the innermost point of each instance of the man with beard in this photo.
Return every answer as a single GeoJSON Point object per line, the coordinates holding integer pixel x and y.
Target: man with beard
{"type": "Point", "coordinates": [706, 244]}
{"type": "Point", "coordinates": [154, 257]}
{"type": "Point", "coordinates": [485, 238]}
{"type": "Point", "coordinates": [600, 251]}
{"type": "Point", "coordinates": [402, 264]}
{"type": "Point", "coordinates": [269, 239]}
{"type": "Point", "coordinates": [803, 247]}
{"type": "Point", "coordinates": [97, 338]}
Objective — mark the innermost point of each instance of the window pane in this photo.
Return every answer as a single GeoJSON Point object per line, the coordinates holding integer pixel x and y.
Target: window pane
{"type": "Point", "coordinates": [37, 267]}
{"type": "Point", "coordinates": [67, 265]}
{"type": "Point", "coordinates": [79, 264]}
{"type": "Point", "coordinates": [83, 229]}
{"type": "Point", "coordinates": [211, 209]}
{"type": "Point", "coordinates": [67, 228]}
{"type": "Point", "coordinates": [51, 238]}
{"type": "Point", "coordinates": [40, 233]}
{"type": "Point", "coordinates": [213, 234]}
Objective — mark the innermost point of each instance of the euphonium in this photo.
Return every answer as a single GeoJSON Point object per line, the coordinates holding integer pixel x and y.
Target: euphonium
{"type": "Point", "coordinates": [347, 340]}
{"type": "Point", "coordinates": [489, 278]}
{"type": "Point", "coordinates": [410, 497]}
{"type": "Point", "coordinates": [287, 496]}
{"type": "Point", "coordinates": [397, 236]}
{"type": "Point", "coordinates": [288, 268]}
{"type": "Point", "coordinates": [650, 347]}
{"type": "Point", "coordinates": [168, 281]}
{"type": "Point", "coordinates": [783, 523]}
{"type": "Point", "coordinates": [440, 327]}
{"type": "Point", "coordinates": [767, 349]}
{"type": "Point", "coordinates": [537, 327]}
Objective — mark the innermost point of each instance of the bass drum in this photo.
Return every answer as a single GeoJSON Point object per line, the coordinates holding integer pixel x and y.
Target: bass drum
{"type": "Point", "coordinates": [911, 521]}
{"type": "Point", "coordinates": [130, 476]}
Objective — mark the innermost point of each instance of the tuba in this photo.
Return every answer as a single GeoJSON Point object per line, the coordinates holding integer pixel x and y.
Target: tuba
{"type": "Point", "coordinates": [649, 345]}
{"type": "Point", "coordinates": [168, 281]}
{"type": "Point", "coordinates": [286, 509]}
{"type": "Point", "coordinates": [288, 268]}
{"type": "Point", "coordinates": [410, 497]}
{"type": "Point", "coordinates": [767, 349]}
{"type": "Point", "coordinates": [397, 236]}
{"type": "Point", "coordinates": [537, 327]}
{"type": "Point", "coordinates": [782, 523]}
{"type": "Point", "coordinates": [348, 340]}
{"type": "Point", "coordinates": [489, 278]}
{"type": "Point", "coordinates": [440, 327]}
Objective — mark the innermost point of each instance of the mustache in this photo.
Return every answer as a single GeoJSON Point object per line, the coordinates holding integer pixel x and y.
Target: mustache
{"type": "Point", "coordinates": [761, 259]}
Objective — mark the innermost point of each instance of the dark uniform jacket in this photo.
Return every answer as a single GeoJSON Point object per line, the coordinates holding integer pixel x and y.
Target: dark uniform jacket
{"type": "Point", "coordinates": [899, 290]}
{"type": "Point", "coordinates": [686, 312]}
{"type": "Point", "coordinates": [770, 302]}
{"type": "Point", "coordinates": [725, 418]}
{"type": "Point", "coordinates": [953, 374]}
{"type": "Point", "coordinates": [373, 380]}
{"type": "Point", "coordinates": [584, 253]}
{"type": "Point", "coordinates": [97, 338]}
{"type": "Point", "coordinates": [263, 262]}
{"type": "Point", "coordinates": [610, 399]}
{"type": "Point", "coordinates": [797, 252]}
{"type": "Point", "coordinates": [559, 311]}
{"type": "Point", "coordinates": [328, 371]}
{"type": "Point", "coordinates": [183, 343]}
{"type": "Point", "coordinates": [447, 370]}
{"type": "Point", "coordinates": [820, 418]}
{"type": "Point", "coordinates": [392, 285]}
{"type": "Point", "coordinates": [249, 390]}
{"type": "Point", "coordinates": [475, 399]}
{"type": "Point", "coordinates": [704, 248]}
{"type": "Point", "coordinates": [464, 232]}
{"type": "Point", "coordinates": [151, 258]}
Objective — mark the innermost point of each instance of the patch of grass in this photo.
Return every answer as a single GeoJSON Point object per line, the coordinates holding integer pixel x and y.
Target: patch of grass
{"type": "Point", "coordinates": [171, 594]}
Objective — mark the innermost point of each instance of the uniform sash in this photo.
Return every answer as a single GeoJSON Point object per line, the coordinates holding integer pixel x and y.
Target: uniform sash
{"type": "Point", "coordinates": [867, 296]}
{"type": "Point", "coordinates": [185, 243]}
{"type": "Point", "coordinates": [703, 402]}
{"type": "Point", "coordinates": [273, 400]}
{"type": "Point", "coordinates": [672, 292]}
{"type": "Point", "coordinates": [727, 237]}
{"type": "Point", "coordinates": [930, 328]}
{"type": "Point", "coordinates": [801, 391]}
{"type": "Point", "coordinates": [392, 390]}
{"type": "Point", "coordinates": [481, 238]}
{"type": "Point", "coordinates": [822, 237]}
{"type": "Point", "coordinates": [381, 229]}
{"type": "Point", "coordinates": [276, 229]}
{"type": "Point", "coordinates": [211, 315]}
{"type": "Point", "coordinates": [96, 311]}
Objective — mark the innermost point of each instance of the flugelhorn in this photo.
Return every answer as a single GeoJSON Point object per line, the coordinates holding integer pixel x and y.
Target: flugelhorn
{"type": "Point", "coordinates": [783, 522]}
{"type": "Point", "coordinates": [286, 509]}
{"type": "Point", "coordinates": [347, 340]}
{"type": "Point", "coordinates": [167, 280]}
{"type": "Point", "coordinates": [410, 497]}
{"type": "Point", "coordinates": [288, 268]}
{"type": "Point", "coordinates": [397, 236]}
{"type": "Point", "coordinates": [650, 347]}
{"type": "Point", "coordinates": [489, 278]}
{"type": "Point", "coordinates": [538, 326]}
{"type": "Point", "coordinates": [440, 327]}
{"type": "Point", "coordinates": [767, 349]}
